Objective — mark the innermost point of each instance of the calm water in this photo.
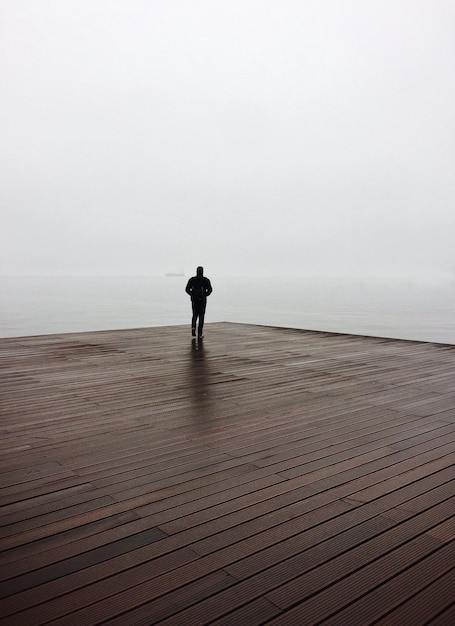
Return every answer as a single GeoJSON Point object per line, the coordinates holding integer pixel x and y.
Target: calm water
{"type": "Point", "coordinates": [387, 308]}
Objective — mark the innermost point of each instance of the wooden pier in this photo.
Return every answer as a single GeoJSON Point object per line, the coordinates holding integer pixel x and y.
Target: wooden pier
{"type": "Point", "coordinates": [260, 476]}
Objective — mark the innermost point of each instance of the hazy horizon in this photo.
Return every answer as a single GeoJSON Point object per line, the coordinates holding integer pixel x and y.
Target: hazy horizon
{"type": "Point", "coordinates": [429, 277]}
{"type": "Point", "coordinates": [291, 137]}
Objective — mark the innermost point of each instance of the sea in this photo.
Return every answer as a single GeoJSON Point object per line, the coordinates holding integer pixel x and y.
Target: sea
{"type": "Point", "coordinates": [399, 308]}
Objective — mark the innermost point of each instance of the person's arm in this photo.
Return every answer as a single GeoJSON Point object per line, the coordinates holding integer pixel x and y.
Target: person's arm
{"type": "Point", "coordinates": [208, 287]}
{"type": "Point", "coordinates": [189, 287]}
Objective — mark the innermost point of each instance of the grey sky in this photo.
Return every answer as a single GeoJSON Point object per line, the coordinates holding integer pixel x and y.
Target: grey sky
{"type": "Point", "coordinates": [284, 136]}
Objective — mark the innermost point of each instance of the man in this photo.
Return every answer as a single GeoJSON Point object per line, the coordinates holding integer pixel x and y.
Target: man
{"type": "Point", "coordinates": [198, 287]}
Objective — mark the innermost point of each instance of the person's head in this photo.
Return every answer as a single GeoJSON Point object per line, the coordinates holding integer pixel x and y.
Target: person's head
{"type": "Point", "coordinates": [200, 271]}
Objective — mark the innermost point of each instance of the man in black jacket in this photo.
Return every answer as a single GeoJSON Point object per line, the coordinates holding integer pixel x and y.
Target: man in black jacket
{"type": "Point", "coordinates": [198, 287]}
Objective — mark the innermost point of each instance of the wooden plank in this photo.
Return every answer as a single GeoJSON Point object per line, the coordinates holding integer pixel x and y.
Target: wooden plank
{"type": "Point", "coordinates": [262, 584]}
{"type": "Point", "coordinates": [438, 565]}
{"type": "Point", "coordinates": [270, 475]}
{"type": "Point", "coordinates": [420, 606]}
{"type": "Point", "coordinates": [445, 618]}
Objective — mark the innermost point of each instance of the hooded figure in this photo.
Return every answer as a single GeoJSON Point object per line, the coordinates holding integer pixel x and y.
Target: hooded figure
{"type": "Point", "coordinates": [198, 288]}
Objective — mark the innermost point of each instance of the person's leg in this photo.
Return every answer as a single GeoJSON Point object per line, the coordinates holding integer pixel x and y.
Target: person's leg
{"type": "Point", "coordinates": [201, 319]}
{"type": "Point", "coordinates": [194, 318]}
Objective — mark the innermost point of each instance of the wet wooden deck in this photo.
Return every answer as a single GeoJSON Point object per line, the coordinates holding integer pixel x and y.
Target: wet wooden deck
{"type": "Point", "coordinates": [266, 476]}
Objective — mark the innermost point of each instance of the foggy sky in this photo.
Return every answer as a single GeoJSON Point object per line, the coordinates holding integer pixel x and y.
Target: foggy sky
{"type": "Point", "coordinates": [261, 136]}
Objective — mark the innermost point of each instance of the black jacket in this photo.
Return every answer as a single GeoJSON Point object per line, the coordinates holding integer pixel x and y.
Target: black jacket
{"type": "Point", "coordinates": [199, 287]}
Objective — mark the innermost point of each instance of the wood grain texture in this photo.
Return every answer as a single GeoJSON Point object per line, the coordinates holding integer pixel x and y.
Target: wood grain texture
{"type": "Point", "coordinates": [262, 476]}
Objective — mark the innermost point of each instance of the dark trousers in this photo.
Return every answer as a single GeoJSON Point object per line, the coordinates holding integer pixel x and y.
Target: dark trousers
{"type": "Point", "coordinates": [198, 314]}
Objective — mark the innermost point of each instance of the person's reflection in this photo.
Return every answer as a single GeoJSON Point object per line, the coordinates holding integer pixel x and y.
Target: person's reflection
{"type": "Point", "coordinates": [199, 371]}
